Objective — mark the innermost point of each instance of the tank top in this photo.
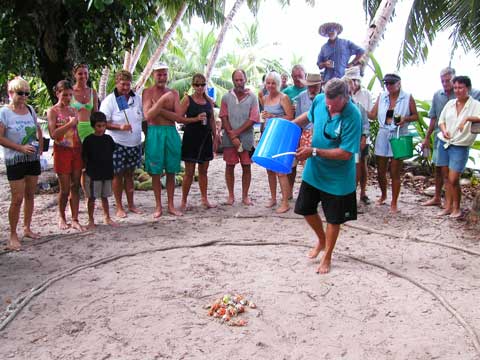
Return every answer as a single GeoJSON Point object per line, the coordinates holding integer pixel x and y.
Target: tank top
{"type": "Point", "coordinates": [70, 139]}
{"type": "Point", "coordinates": [194, 109]}
{"type": "Point", "coordinates": [78, 105]}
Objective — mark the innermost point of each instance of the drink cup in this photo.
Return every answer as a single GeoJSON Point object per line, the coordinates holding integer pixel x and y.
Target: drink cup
{"type": "Point", "coordinates": [35, 144]}
{"type": "Point", "coordinates": [396, 119]}
{"type": "Point", "coordinates": [426, 152]}
{"type": "Point", "coordinates": [204, 121]}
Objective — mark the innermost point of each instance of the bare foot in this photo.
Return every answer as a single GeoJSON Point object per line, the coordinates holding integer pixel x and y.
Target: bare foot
{"type": "Point", "coordinates": [324, 267]}
{"type": "Point", "coordinates": [91, 225]}
{"type": "Point", "coordinates": [135, 210]}
{"type": "Point", "coordinates": [120, 213]}
{"type": "Point", "coordinates": [157, 213]}
{"type": "Point", "coordinates": [173, 211]}
{"type": "Point", "coordinates": [14, 244]}
{"type": "Point", "coordinates": [208, 205]}
{"type": "Point", "coordinates": [271, 203]}
{"type": "Point", "coordinates": [282, 209]}
{"type": "Point", "coordinates": [312, 254]}
{"type": "Point", "coordinates": [394, 209]}
{"type": "Point", "coordinates": [185, 207]}
{"type": "Point", "coordinates": [76, 225]}
{"type": "Point", "coordinates": [30, 234]}
{"type": "Point", "coordinates": [455, 215]}
{"type": "Point", "coordinates": [431, 202]}
{"type": "Point", "coordinates": [62, 224]}
{"type": "Point", "coordinates": [380, 201]}
{"type": "Point", "coordinates": [230, 201]}
{"type": "Point", "coordinates": [247, 201]}
{"type": "Point", "coordinates": [444, 212]}
{"type": "Point", "coordinates": [109, 221]}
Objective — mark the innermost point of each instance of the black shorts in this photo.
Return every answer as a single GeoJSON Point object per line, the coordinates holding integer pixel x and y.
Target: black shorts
{"type": "Point", "coordinates": [364, 153]}
{"type": "Point", "coordinates": [20, 170]}
{"type": "Point", "coordinates": [337, 208]}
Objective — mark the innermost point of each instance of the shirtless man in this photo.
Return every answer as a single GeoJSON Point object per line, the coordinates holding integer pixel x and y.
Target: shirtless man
{"type": "Point", "coordinates": [163, 145]}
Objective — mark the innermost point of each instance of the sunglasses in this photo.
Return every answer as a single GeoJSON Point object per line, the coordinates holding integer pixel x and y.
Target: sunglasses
{"type": "Point", "coordinates": [199, 85]}
{"type": "Point", "coordinates": [22, 93]}
{"type": "Point", "coordinates": [390, 82]}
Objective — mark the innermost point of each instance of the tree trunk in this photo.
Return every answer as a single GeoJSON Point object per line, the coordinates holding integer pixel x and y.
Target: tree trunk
{"type": "Point", "coordinates": [102, 86]}
{"type": "Point", "coordinates": [220, 38]}
{"type": "Point", "coordinates": [378, 25]}
{"type": "Point", "coordinates": [161, 47]}
{"type": "Point", "coordinates": [127, 60]}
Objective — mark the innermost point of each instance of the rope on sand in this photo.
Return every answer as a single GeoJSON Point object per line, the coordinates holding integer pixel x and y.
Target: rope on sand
{"type": "Point", "coordinates": [14, 309]}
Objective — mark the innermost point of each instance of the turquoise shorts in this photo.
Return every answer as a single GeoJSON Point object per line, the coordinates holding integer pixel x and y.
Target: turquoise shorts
{"type": "Point", "coordinates": [163, 150]}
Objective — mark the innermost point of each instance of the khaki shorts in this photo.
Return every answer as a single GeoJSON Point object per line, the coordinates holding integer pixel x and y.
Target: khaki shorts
{"type": "Point", "coordinates": [96, 189]}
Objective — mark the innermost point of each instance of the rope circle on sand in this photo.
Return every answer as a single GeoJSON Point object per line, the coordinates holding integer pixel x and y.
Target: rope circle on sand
{"type": "Point", "coordinates": [16, 307]}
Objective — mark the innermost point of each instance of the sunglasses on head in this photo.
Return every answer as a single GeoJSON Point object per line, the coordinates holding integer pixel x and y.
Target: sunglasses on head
{"type": "Point", "coordinates": [199, 84]}
{"type": "Point", "coordinates": [390, 82]}
{"type": "Point", "coordinates": [22, 93]}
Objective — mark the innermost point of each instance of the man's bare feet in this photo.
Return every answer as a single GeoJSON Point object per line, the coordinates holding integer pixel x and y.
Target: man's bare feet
{"type": "Point", "coordinates": [208, 205]}
{"type": "Point", "coordinates": [444, 212]}
{"type": "Point", "coordinates": [13, 243]}
{"type": "Point", "coordinates": [324, 267]}
{"type": "Point", "coordinates": [62, 224]}
{"type": "Point", "coordinates": [380, 201]}
{"type": "Point", "coordinates": [76, 225]}
{"type": "Point", "coordinates": [230, 201]}
{"type": "Point", "coordinates": [173, 211]}
{"type": "Point", "coordinates": [109, 221]}
{"type": "Point", "coordinates": [91, 225]}
{"type": "Point", "coordinates": [312, 254]}
{"type": "Point", "coordinates": [28, 233]}
{"type": "Point", "coordinates": [271, 203]}
{"type": "Point", "coordinates": [455, 215]}
{"type": "Point", "coordinates": [394, 209]}
{"type": "Point", "coordinates": [282, 209]}
{"type": "Point", "coordinates": [432, 202]}
{"type": "Point", "coordinates": [135, 210]}
{"type": "Point", "coordinates": [157, 213]}
{"type": "Point", "coordinates": [120, 213]}
{"type": "Point", "coordinates": [247, 201]}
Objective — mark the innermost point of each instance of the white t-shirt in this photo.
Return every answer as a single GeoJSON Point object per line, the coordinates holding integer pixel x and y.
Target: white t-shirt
{"type": "Point", "coordinates": [134, 113]}
{"type": "Point", "coordinates": [451, 120]}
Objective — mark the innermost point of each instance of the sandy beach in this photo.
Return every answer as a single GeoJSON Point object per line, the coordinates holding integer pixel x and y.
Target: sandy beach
{"type": "Point", "coordinates": [401, 287]}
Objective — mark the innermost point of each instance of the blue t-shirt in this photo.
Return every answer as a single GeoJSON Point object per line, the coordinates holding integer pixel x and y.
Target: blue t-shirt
{"type": "Point", "coordinates": [340, 53]}
{"type": "Point", "coordinates": [336, 177]}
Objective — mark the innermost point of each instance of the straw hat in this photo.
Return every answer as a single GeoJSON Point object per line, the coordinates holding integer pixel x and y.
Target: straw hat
{"type": "Point", "coordinates": [353, 73]}
{"type": "Point", "coordinates": [312, 79]}
{"type": "Point", "coordinates": [328, 27]}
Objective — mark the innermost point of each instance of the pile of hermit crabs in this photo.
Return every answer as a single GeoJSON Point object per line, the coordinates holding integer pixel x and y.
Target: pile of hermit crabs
{"type": "Point", "coordinates": [229, 307]}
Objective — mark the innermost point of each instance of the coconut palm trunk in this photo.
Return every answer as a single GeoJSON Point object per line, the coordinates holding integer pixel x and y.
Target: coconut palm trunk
{"type": "Point", "coordinates": [378, 25]}
{"type": "Point", "coordinates": [161, 47]}
{"type": "Point", "coordinates": [102, 86]}
{"type": "Point", "coordinates": [221, 37]}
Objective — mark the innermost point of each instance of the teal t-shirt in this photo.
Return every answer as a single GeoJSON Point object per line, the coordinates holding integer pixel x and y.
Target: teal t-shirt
{"type": "Point", "coordinates": [292, 91]}
{"type": "Point", "coordinates": [336, 177]}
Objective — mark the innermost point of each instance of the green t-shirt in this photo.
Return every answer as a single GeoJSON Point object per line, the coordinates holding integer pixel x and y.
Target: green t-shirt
{"type": "Point", "coordinates": [293, 91]}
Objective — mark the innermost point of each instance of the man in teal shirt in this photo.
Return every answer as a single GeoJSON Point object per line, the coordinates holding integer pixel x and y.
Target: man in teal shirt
{"type": "Point", "coordinates": [298, 74]}
{"type": "Point", "coordinates": [329, 174]}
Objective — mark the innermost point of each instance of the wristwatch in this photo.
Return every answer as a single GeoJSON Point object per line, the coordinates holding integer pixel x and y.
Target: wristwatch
{"type": "Point", "coordinates": [314, 151]}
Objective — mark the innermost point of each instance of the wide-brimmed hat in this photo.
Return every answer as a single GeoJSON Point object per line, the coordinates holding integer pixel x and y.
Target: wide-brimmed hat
{"type": "Point", "coordinates": [353, 73]}
{"type": "Point", "coordinates": [159, 65]}
{"type": "Point", "coordinates": [391, 78]}
{"type": "Point", "coordinates": [311, 79]}
{"type": "Point", "coordinates": [328, 27]}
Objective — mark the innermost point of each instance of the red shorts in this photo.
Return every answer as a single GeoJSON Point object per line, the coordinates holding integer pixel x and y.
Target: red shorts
{"type": "Point", "coordinates": [66, 160]}
{"type": "Point", "coordinates": [232, 156]}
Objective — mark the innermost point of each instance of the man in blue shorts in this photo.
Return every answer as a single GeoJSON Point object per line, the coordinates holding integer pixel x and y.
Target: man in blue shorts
{"type": "Point", "coordinates": [329, 174]}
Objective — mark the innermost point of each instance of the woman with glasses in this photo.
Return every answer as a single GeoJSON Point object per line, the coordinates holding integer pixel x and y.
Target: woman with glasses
{"type": "Point", "coordinates": [277, 105]}
{"type": "Point", "coordinates": [21, 138]}
{"type": "Point", "coordinates": [67, 153]}
{"type": "Point", "coordinates": [198, 139]}
{"type": "Point", "coordinates": [394, 109]}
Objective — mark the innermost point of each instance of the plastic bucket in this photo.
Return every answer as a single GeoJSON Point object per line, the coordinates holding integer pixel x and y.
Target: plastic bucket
{"type": "Point", "coordinates": [402, 147]}
{"type": "Point", "coordinates": [280, 136]}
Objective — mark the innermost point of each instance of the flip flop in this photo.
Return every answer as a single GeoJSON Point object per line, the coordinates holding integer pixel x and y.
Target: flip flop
{"type": "Point", "coordinates": [365, 200]}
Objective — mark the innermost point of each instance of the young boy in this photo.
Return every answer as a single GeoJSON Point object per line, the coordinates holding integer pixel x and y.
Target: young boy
{"type": "Point", "coordinates": [97, 154]}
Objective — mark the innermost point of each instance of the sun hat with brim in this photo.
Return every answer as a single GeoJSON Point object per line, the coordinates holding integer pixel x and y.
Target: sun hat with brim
{"type": "Point", "coordinates": [353, 73]}
{"type": "Point", "coordinates": [312, 79]}
{"type": "Point", "coordinates": [329, 27]}
{"type": "Point", "coordinates": [159, 66]}
{"type": "Point", "coordinates": [392, 78]}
